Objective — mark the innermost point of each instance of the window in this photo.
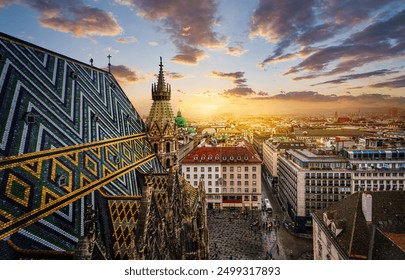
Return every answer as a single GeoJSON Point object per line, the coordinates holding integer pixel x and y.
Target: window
{"type": "Point", "coordinates": [202, 169]}
{"type": "Point", "coordinates": [254, 190]}
{"type": "Point", "coordinates": [195, 184]}
{"type": "Point", "coordinates": [216, 176]}
{"type": "Point", "coordinates": [232, 190]}
{"type": "Point", "coordinates": [239, 176]}
{"type": "Point", "coordinates": [224, 169]}
{"type": "Point", "coordinates": [188, 176]}
{"type": "Point", "coordinates": [239, 183]}
{"type": "Point", "coordinates": [224, 176]}
{"type": "Point", "coordinates": [254, 183]}
{"type": "Point", "coordinates": [167, 147]}
{"type": "Point", "coordinates": [216, 169]}
{"type": "Point", "coordinates": [209, 190]}
{"type": "Point", "coordinates": [209, 169]}
{"type": "Point", "coordinates": [195, 176]}
{"type": "Point", "coordinates": [246, 176]}
{"type": "Point", "coordinates": [239, 168]}
{"type": "Point", "coordinates": [224, 190]}
{"type": "Point", "coordinates": [253, 176]}
{"type": "Point", "coordinates": [231, 176]}
{"type": "Point", "coordinates": [246, 168]}
{"type": "Point", "coordinates": [195, 169]}
{"type": "Point", "coordinates": [239, 190]}
{"type": "Point", "coordinates": [209, 176]}
{"type": "Point", "coordinates": [231, 183]}
{"type": "Point", "coordinates": [246, 183]}
{"type": "Point", "coordinates": [246, 189]}
{"type": "Point", "coordinates": [254, 168]}
{"type": "Point", "coordinates": [209, 183]}
{"type": "Point", "coordinates": [188, 169]}
{"type": "Point", "coordinates": [231, 169]}
{"type": "Point", "coordinates": [217, 190]}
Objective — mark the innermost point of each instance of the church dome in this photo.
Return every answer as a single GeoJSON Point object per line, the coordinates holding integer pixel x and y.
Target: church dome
{"type": "Point", "coordinates": [180, 121]}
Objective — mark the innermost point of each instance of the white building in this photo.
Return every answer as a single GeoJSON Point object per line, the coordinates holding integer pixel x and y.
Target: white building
{"type": "Point", "coordinates": [231, 175]}
{"type": "Point", "coordinates": [308, 182]}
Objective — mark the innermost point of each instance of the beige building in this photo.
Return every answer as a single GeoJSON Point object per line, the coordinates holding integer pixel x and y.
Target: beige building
{"type": "Point", "coordinates": [231, 175]}
{"type": "Point", "coordinates": [272, 149]}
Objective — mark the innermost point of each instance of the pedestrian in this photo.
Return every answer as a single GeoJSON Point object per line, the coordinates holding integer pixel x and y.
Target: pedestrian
{"type": "Point", "coordinates": [277, 249]}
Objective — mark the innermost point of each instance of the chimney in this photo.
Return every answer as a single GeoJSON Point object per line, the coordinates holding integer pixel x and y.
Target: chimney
{"type": "Point", "coordinates": [367, 206]}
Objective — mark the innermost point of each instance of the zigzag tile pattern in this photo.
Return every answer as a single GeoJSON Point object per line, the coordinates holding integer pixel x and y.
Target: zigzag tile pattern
{"type": "Point", "coordinates": [49, 101]}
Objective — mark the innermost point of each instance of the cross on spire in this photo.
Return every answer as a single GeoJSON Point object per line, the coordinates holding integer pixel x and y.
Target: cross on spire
{"type": "Point", "coordinates": [109, 64]}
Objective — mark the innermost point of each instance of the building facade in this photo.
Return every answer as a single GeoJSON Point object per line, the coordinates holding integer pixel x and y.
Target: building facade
{"type": "Point", "coordinates": [272, 149]}
{"type": "Point", "coordinates": [308, 182]}
{"type": "Point", "coordinates": [231, 175]}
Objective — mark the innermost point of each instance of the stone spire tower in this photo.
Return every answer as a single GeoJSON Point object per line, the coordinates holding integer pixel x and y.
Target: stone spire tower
{"type": "Point", "coordinates": [162, 131]}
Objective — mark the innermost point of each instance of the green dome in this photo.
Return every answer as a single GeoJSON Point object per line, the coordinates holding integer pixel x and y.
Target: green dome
{"type": "Point", "coordinates": [180, 121]}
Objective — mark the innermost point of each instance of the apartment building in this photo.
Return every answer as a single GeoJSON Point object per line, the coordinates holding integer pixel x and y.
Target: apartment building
{"type": "Point", "coordinates": [231, 175]}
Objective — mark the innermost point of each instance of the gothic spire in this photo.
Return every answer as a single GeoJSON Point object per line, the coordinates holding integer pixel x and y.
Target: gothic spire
{"type": "Point", "coordinates": [161, 90]}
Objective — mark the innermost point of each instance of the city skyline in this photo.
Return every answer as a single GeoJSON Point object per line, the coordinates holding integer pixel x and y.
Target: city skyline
{"type": "Point", "coordinates": [241, 57]}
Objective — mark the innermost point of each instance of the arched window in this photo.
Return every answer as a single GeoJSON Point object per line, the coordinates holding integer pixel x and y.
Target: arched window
{"type": "Point", "coordinates": [168, 163]}
{"type": "Point", "coordinates": [155, 148]}
{"type": "Point", "coordinates": [167, 147]}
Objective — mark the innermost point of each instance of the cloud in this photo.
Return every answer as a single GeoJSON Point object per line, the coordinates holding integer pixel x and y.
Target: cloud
{"type": "Point", "coordinates": [188, 55]}
{"type": "Point", "coordinates": [236, 77]}
{"type": "Point", "coordinates": [124, 74]}
{"type": "Point", "coordinates": [380, 41]}
{"type": "Point", "coordinates": [240, 91]}
{"type": "Point", "coordinates": [189, 23]}
{"type": "Point", "coordinates": [292, 24]}
{"type": "Point", "coordinates": [347, 78]}
{"type": "Point", "coordinates": [126, 40]}
{"type": "Point", "coordinates": [397, 82]}
{"type": "Point", "coordinates": [236, 50]}
{"type": "Point", "coordinates": [174, 75]}
{"type": "Point", "coordinates": [72, 17]}
{"type": "Point", "coordinates": [315, 97]}
{"type": "Point", "coordinates": [153, 44]}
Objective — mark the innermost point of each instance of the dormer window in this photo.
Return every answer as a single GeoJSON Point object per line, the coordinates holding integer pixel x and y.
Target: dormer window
{"type": "Point", "coordinates": [61, 181]}
{"type": "Point", "coordinates": [246, 158]}
{"type": "Point", "coordinates": [29, 118]}
{"type": "Point", "coordinates": [231, 158]}
{"type": "Point", "coordinates": [224, 158]}
{"type": "Point", "coordinates": [239, 158]}
{"type": "Point", "coordinates": [195, 157]}
{"type": "Point", "coordinates": [73, 75]}
{"type": "Point", "coordinates": [203, 157]}
{"type": "Point", "coordinates": [210, 157]}
{"type": "Point", "coordinates": [216, 157]}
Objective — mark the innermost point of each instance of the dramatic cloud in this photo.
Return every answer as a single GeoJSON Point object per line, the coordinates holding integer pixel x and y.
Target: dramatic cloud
{"type": "Point", "coordinates": [124, 74]}
{"type": "Point", "coordinates": [398, 82]}
{"type": "Point", "coordinates": [236, 77]}
{"type": "Point", "coordinates": [72, 17]}
{"type": "Point", "coordinates": [302, 24]}
{"type": "Point", "coordinates": [346, 78]}
{"type": "Point", "coordinates": [126, 40]}
{"type": "Point", "coordinates": [379, 41]}
{"type": "Point", "coordinates": [236, 50]}
{"type": "Point", "coordinates": [189, 23]}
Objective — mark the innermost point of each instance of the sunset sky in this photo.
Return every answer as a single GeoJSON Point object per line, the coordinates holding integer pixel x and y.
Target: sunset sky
{"type": "Point", "coordinates": [232, 56]}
